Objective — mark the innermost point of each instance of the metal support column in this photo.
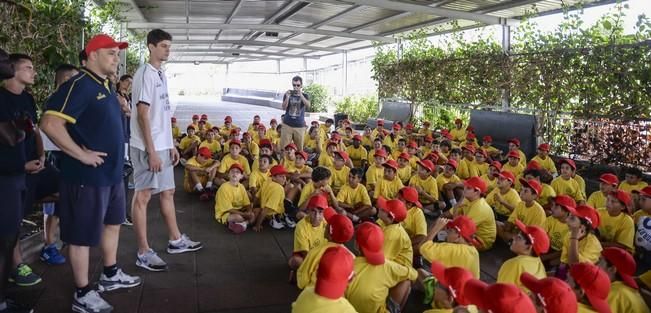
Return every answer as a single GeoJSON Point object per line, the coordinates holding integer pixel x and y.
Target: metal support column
{"type": "Point", "coordinates": [344, 67]}
{"type": "Point", "coordinates": [399, 48]}
{"type": "Point", "coordinates": [122, 67]}
{"type": "Point", "coordinates": [506, 49]}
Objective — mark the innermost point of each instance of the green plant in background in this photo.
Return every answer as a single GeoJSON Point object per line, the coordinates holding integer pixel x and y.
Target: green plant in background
{"type": "Point", "coordinates": [319, 97]}
{"type": "Point", "coordinates": [442, 116]}
{"type": "Point", "coordinates": [359, 109]}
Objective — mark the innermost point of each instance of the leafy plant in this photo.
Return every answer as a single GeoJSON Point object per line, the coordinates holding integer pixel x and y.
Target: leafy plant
{"type": "Point", "coordinates": [359, 109]}
{"type": "Point", "coordinates": [319, 97]}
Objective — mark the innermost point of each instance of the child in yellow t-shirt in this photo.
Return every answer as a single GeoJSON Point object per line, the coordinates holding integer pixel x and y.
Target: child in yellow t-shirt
{"type": "Point", "coordinates": [200, 172]}
{"type": "Point", "coordinates": [390, 184]}
{"type": "Point", "coordinates": [375, 172]}
{"type": "Point", "coordinates": [475, 207]}
{"type": "Point", "coordinates": [327, 159]}
{"type": "Point", "coordinates": [176, 131]}
{"type": "Point", "coordinates": [607, 184]}
{"type": "Point", "coordinates": [565, 184]}
{"type": "Point", "coordinates": [250, 149]}
{"type": "Point", "coordinates": [353, 197]}
{"type": "Point", "coordinates": [302, 173]}
{"type": "Point", "coordinates": [357, 153]}
{"type": "Point", "coordinates": [527, 211]}
{"type": "Point", "coordinates": [463, 171]}
{"type": "Point", "coordinates": [645, 205]}
{"type": "Point", "coordinates": [490, 178]}
{"type": "Point", "coordinates": [189, 144]}
{"type": "Point", "coordinates": [620, 266]}
{"type": "Point", "coordinates": [404, 168]}
{"type": "Point", "coordinates": [581, 244]}
{"type": "Point", "coordinates": [547, 193]}
{"type": "Point", "coordinates": [616, 228]}
{"type": "Point", "coordinates": [412, 151]}
{"type": "Point", "coordinates": [632, 184]}
{"type": "Point", "coordinates": [458, 133]}
{"type": "Point", "coordinates": [414, 224]}
{"type": "Point", "coordinates": [504, 198]}
{"type": "Point", "coordinates": [234, 157]}
{"type": "Point", "coordinates": [320, 184]}
{"type": "Point", "coordinates": [232, 203]}
{"type": "Point", "coordinates": [212, 144]}
{"type": "Point", "coordinates": [556, 227]}
{"type": "Point", "coordinates": [309, 232]}
{"type": "Point", "coordinates": [447, 287]}
{"type": "Point", "coordinates": [513, 164]}
{"type": "Point", "coordinates": [258, 177]}
{"type": "Point", "coordinates": [544, 159]}
{"type": "Point", "coordinates": [427, 187]}
{"type": "Point", "coordinates": [449, 184]}
{"type": "Point", "coordinates": [529, 243]}
{"type": "Point", "coordinates": [479, 166]}
{"type": "Point", "coordinates": [397, 246]}
{"type": "Point", "coordinates": [514, 146]}
{"type": "Point", "coordinates": [339, 170]}
{"type": "Point", "coordinates": [487, 144]}
{"type": "Point", "coordinates": [272, 201]}
{"type": "Point", "coordinates": [266, 148]}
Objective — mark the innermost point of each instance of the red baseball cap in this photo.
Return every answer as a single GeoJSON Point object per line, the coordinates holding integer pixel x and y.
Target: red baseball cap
{"type": "Point", "coordinates": [544, 147]}
{"type": "Point", "coordinates": [380, 122]}
{"type": "Point", "coordinates": [513, 154]}
{"type": "Point", "coordinates": [235, 142]}
{"type": "Point", "coordinates": [404, 155]}
{"type": "Point", "coordinates": [278, 170]}
{"type": "Point", "coordinates": [205, 152]}
{"type": "Point", "coordinates": [265, 143]}
{"type": "Point", "coordinates": [291, 146]}
{"type": "Point", "coordinates": [341, 228]}
{"type": "Point", "coordinates": [328, 213]}
{"type": "Point", "coordinates": [588, 213]}
{"type": "Point", "coordinates": [594, 282]}
{"type": "Point", "coordinates": [392, 164]}
{"type": "Point", "coordinates": [507, 175]}
{"type": "Point", "coordinates": [357, 137]}
{"type": "Point", "coordinates": [410, 194]}
{"type": "Point", "coordinates": [470, 148]}
{"type": "Point", "coordinates": [332, 143]}
{"type": "Point", "coordinates": [195, 117]}
{"type": "Point", "coordinates": [471, 136]}
{"type": "Point", "coordinates": [433, 156]}
{"type": "Point", "coordinates": [498, 298]}
{"type": "Point", "coordinates": [343, 155]}
{"type": "Point", "coordinates": [476, 183]}
{"type": "Point", "coordinates": [380, 153]}
{"type": "Point", "coordinates": [427, 164]}
{"type": "Point", "coordinates": [624, 262]}
{"type": "Point", "coordinates": [228, 118]}
{"type": "Point", "coordinates": [234, 131]}
{"type": "Point", "coordinates": [533, 165]}
{"type": "Point", "coordinates": [302, 154]}
{"type": "Point", "coordinates": [624, 197]}
{"type": "Point", "coordinates": [514, 141]}
{"type": "Point", "coordinates": [466, 228]}
{"type": "Point", "coordinates": [260, 126]}
{"type": "Point", "coordinates": [236, 166]}
{"type": "Point", "coordinates": [370, 240]}
{"type": "Point", "coordinates": [103, 41]}
{"type": "Point", "coordinates": [646, 191]}
{"type": "Point", "coordinates": [429, 138]}
{"type": "Point", "coordinates": [537, 236]}
{"type": "Point", "coordinates": [204, 116]}
{"type": "Point", "coordinates": [173, 119]}
{"type": "Point", "coordinates": [396, 126]}
{"type": "Point", "coordinates": [319, 201]}
{"type": "Point", "coordinates": [487, 139]}
{"type": "Point", "coordinates": [566, 202]}
{"type": "Point", "coordinates": [409, 126]}
{"type": "Point", "coordinates": [412, 144]}
{"type": "Point", "coordinates": [555, 295]}
{"type": "Point", "coordinates": [497, 165]}
{"type": "Point", "coordinates": [334, 271]}
{"type": "Point", "coordinates": [533, 184]}
{"type": "Point", "coordinates": [395, 208]}
{"type": "Point", "coordinates": [609, 178]}
{"type": "Point", "coordinates": [568, 162]}
{"type": "Point", "coordinates": [454, 278]}
{"type": "Point", "coordinates": [452, 163]}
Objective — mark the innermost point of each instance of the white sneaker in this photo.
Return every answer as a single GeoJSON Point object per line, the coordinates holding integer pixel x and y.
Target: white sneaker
{"type": "Point", "coordinates": [183, 244]}
{"type": "Point", "coordinates": [151, 261]}
{"type": "Point", "coordinates": [183, 162]}
{"type": "Point", "coordinates": [119, 280]}
{"type": "Point", "coordinates": [288, 221]}
{"type": "Point", "coordinates": [90, 303]}
{"type": "Point", "coordinates": [275, 222]}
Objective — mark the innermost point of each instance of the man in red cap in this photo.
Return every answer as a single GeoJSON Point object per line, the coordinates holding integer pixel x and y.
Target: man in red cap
{"type": "Point", "coordinates": [504, 198]}
{"type": "Point", "coordinates": [497, 298]}
{"type": "Point", "coordinates": [566, 184]}
{"type": "Point", "coordinates": [620, 266]}
{"type": "Point", "coordinates": [378, 282]}
{"type": "Point", "coordinates": [475, 207]}
{"type": "Point", "coordinates": [397, 246]}
{"type": "Point", "coordinates": [591, 286]}
{"type": "Point", "coordinates": [272, 201]}
{"type": "Point", "coordinates": [607, 183]}
{"type": "Point", "coordinates": [529, 244]}
{"type": "Point", "coordinates": [338, 231]}
{"type": "Point", "coordinates": [446, 289]}
{"type": "Point", "coordinates": [76, 119]}
{"type": "Point", "coordinates": [200, 173]}
{"type": "Point", "coordinates": [458, 249]}
{"type": "Point", "coordinates": [544, 159]}
{"type": "Point", "coordinates": [309, 233]}
{"type": "Point", "coordinates": [616, 228]}
{"type": "Point", "coordinates": [331, 281]}
{"type": "Point", "coordinates": [550, 294]}
{"type": "Point", "coordinates": [357, 153]}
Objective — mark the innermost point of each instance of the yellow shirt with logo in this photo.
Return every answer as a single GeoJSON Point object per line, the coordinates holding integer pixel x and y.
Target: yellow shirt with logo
{"type": "Point", "coordinates": [307, 237]}
{"type": "Point", "coordinates": [623, 298]}
{"type": "Point", "coordinates": [568, 187]}
{"type": "Point", "coordinates": [619, 229]}
{"type": "Point", "coordinates": [452, 254]}
{"type": "Point", "coordinates": [387, 188]}
{"type": "Point", "coordinates": [547, 164]}
{"type": "Point", "coordinates": [397, 245]}
{"type": "Point", "coordinates": [530, 216]}
{"type": "Point", "coordinates": [428, 185]}
{"type": "Point", "coordinates": [228, 161]}
{"type": "Point", "coordinates": [589, 249]}
{"type": "Point", "coordinates": [511, 270]}
{"type": "Point", "coordinates": [481, 213]}
{"type": "Point", "coordinates": [354, 196]}
{"type": "Point", "coordinates": [229, 197]}
{"type": "Point", "coordinates": [310, 302]}
{"type": "Point", "coordinates": [557, 231]}
{"type": "Point", "coordinates": [511, 197]}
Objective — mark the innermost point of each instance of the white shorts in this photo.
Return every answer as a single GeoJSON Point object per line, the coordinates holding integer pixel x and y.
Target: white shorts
{"type": "Point", "coordinates": [143, 178]}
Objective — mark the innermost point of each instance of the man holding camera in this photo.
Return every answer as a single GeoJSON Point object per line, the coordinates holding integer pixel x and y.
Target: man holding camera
{"type": "Point", "coordinates": [295, 102]}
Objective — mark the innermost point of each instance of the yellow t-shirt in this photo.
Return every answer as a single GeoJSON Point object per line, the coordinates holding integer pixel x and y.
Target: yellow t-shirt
{"type": "Point", "coordinates": [367, 141]}
{"type": "Point", "coordinates": [229, 197]}
{"type": "Point", "coordinates": [374, 174]}
{"type": "Point", "coordinates": [546, 194]}
{"type": "Point", "coordinates": [589, 249]}
{"type": "Point", "coordinates": [310, 143]}
{"type": "Point", "coordinates": [339, 177]}
{"type": "Point", "coordinates": [272, 196]}
{"type": "Point", "coordinates": [477, 169]}
{"type": "Point", "coordinates": [428, 184]}
{"type": "Point", "coordinates": [630, 188]}
{"type": "Point", "coordinates": [187, 183]}
{"type": "Point", "coordinates": [307, 237]}
{"type": "Point", "coordinates": [557, 231]}
{"type": "Point", "coordinates": [253, 148]}
{"type": "Point", "coordinates": [310, 302]}
{"type": "Point", "coordinates": [257, 178]}
{"type": "Point", "coordinates": [306, 273]}
{"type": "Point", "coordinates": [490, 183]}
{"type": "Point", "coordinates": [307, 190]}
{"type": "Point", "coordinates": [623, 298]}
{"type": "Point", "coordinates": [441, 180]}
{"type": "Point", "coordinates": [481, 213]}
{"type": "Point", "coordinates": [357, 155]}
{"type": "Point", "coordinates": [511, 270]}
{"type": "Point", "coordinates": [187, 141]}
{"type": "Point", "coordinates": [511, 197]}
{"type": "Point", "coordinates": [619, 229]}
{"type": "Point", "coordinates": [584, 308]}
{"type": "Point", "coordinates": [523, 160]}
{"type": "Point", "coordinates": [463, 170]}
{"type": "Point", "coordinates": [581, 182]}
{"type": "Point", "coordinates": [176, 132]}
{"type": "Point", "coordinates": [491, 150]}
{"type": "Point", "coordinates": [533, 215]}
{"type": "Point", "coordinates": [458, 134]}
{"type": "Point", "coordinates": [226, 131]}
{"type": "Point", "coordinates": [516, 170]}
{"type": "Point", "coordinates": [404, 174]}
{"type": "Point", "coordinates": [353, 197]}
{"type": "Point", "coordinates": [547, 164]}
{"type": "Point", "coordinates": [388, 188]}
{"type": "Point", "coordinates": [397, 245]}
{"type": "Point", "coordinates": [452, 254]}
{"type": "Point", "coordinates": [214, 146]}
{"type": "Point", "coordinates": [638, 215]}
{"type": "Point", "coordinates": [290, 165]}
{"type": "Point", "coordinates": [228, 160]}
{"type": "Point", "coordinates": [415, 224]}
{"type": "Point", "coordinates": [569, 187]}
{"type": "Point", "coordinates": [326, 160]}
{"type": "Point", "coordinates": [369, 289]}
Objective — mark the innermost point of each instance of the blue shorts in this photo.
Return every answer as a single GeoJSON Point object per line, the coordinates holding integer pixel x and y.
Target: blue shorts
{"type": "Point", "coordinates": [84, 210]}
{"type": "Point", "coordinates": [12, 193]}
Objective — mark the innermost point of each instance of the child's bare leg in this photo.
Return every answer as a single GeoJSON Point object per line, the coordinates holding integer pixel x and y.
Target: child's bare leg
{"type": "Point", "coordinates": [400, 292]}
{"type": "Point", "coordinates": [365, 211]}
{"type": "Point", "coordinates": [295, 261]}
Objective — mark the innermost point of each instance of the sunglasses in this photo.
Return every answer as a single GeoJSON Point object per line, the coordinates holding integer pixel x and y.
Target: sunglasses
{"type": "Point", "coordinates": [295, 85]}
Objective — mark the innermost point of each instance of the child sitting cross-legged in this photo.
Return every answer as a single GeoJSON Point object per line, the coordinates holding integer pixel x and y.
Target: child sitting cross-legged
{"type": "Point", "coordinates": [389, 185]}
{"type": "Point", "coordinates": [427, 188]}
{"type": "Point", "coordinates": [353, 197]}
{"type": "Point", "coordinates": [200, 172]}
{"type": "Point", "coordinates": [528, 211]}
{"type": "Point", "coordinates": [272, 201]}
{"type": "Point", "coordinates": [233, 206]}
{"type": "Point", "coordinates": [504, 198]}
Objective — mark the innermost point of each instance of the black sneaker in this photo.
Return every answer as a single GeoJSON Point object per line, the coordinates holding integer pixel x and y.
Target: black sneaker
{"type": "Point", "coordinates": [13, 307]}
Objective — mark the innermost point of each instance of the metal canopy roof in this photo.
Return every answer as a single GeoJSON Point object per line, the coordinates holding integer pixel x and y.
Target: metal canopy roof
{"type": "Point", "coordinates": [225, 31]}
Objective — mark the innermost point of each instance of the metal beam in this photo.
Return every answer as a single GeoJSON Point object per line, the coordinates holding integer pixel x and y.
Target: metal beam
{"type": "Point", "coordinates": [236, 8]}
{"type": "Point", "coordinates": [326, 21]}
{"type": "Point", "coordinates": [223, 55]}
{"type": "Point", "coordinates": [254, 43]}
{"type": "Point", "coordinates": [240, 51]}
{"type": "Point", "coordinates": [259, 27]}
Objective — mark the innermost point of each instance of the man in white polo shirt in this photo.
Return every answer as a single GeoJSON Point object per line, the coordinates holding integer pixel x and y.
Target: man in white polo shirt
{"type": "Point", "coordinates": [153, 153]}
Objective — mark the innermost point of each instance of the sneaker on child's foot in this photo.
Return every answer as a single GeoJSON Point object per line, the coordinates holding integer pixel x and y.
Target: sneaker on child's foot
{"type": "Point", "coordinates": [183, 244]}
{"type": "Point", "coordinates": [90, 303]}
{"type": "Point", "coordinates": [51, 255]}
{"type": "Point", "coordinates": [127, 221]}
{"type": "Point", "coordinates": [183, 162]}
{"type": "Point", "coordinates": [13, 307]}
{"type": "Point", "coordinates": [151, 261]}
{"type": "Point", "coordinates": [237, 228]}
{"type": "Point", "coordinates": [276, 223]}
{"type": "Point", "coordinates": [288, 221]}
{"type": "Point", "coordinates": [24, 277]}
{"type": "Point", "coordinates": [119, 280]}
